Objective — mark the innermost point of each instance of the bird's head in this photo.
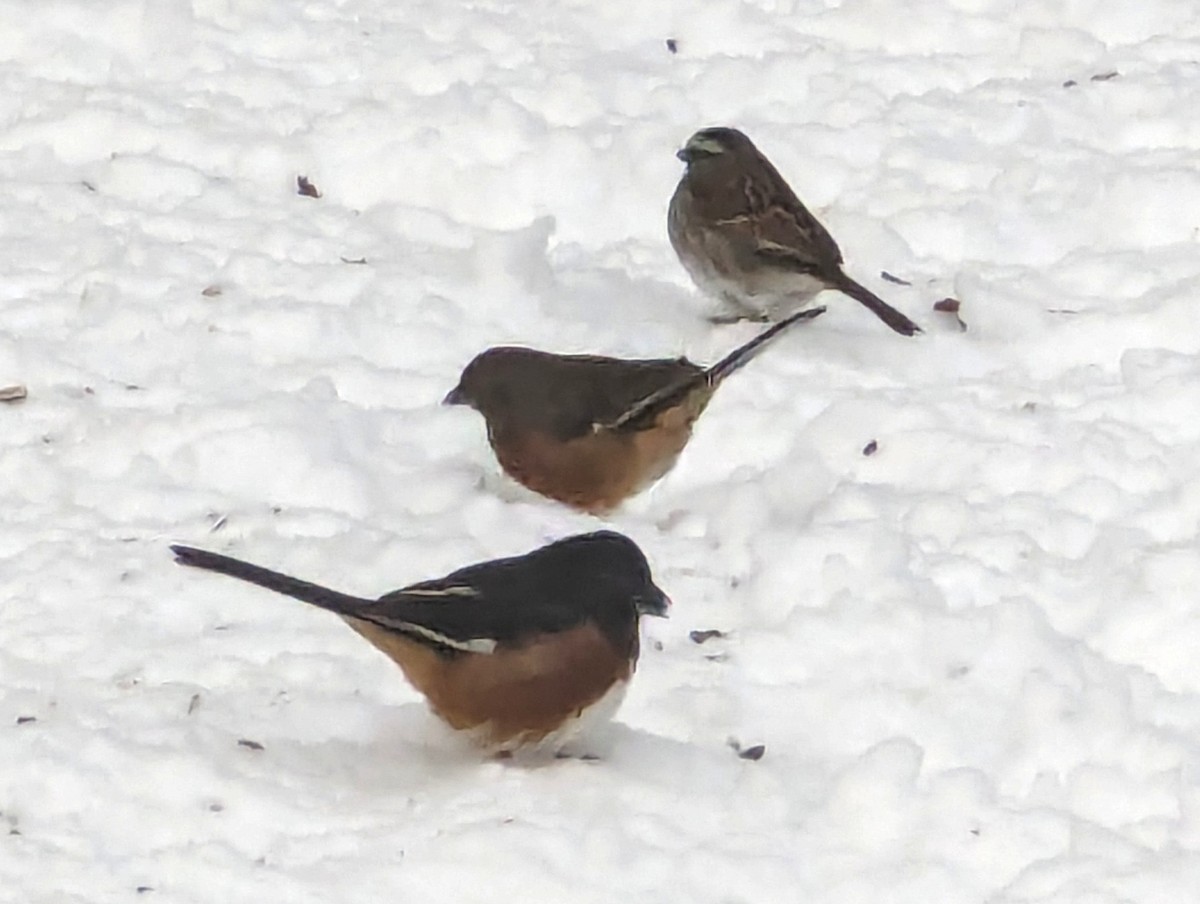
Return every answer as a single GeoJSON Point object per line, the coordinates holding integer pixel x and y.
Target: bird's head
{"type": "Point", "coordinates": [609, 568]}
{"type": "Point", "coordinates": [711, 143]}
{"type": "Point", "coordinates": [488, 383]}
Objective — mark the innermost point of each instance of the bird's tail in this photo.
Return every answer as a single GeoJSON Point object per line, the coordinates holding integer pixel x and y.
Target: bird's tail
{"type": "Point", "coordinates": [741, 355]}
{"type": "Point", "coordinates": [646, 409]}
{"type": "Point", "coordinates": [877, 306]}
{"type": "Point", "coordinates": [341, 603]}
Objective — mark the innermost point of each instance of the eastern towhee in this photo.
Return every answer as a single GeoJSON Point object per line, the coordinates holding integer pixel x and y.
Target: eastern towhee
{"type": "Point", "coordinates": [591, 431]}
{"type": "Point", "coordinates": [513, 651]}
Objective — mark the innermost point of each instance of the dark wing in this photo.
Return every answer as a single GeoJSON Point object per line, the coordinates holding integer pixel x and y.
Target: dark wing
{"type": "Point", "coordinates": [794, 240]}
{"type": "Point", "coordinates": [482, 606]}
{"type": "Point", "coordinates": [785, 223]}
{"type": "Point", "coordinates": [586, 390]}
{"type": "Point", "coordinates": [760, 216]}
{"type": "Point", "coordinates": [643, 413]}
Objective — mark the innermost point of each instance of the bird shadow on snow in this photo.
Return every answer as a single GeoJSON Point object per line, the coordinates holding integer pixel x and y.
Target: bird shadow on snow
{"type": "Point", "coordinates": [411, 749]}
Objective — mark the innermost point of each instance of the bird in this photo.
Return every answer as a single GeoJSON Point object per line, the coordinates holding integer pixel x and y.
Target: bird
{"type": "Point", "coordinates": [745, 238]}
{"type": "Point", "coordinates": [588, 430]}
{"type": "Point", "coordinates": [518, 653]}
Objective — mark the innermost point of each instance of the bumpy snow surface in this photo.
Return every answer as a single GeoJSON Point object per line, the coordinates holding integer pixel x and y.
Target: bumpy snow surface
{"type": "Point", "coordinates": [971, 655]}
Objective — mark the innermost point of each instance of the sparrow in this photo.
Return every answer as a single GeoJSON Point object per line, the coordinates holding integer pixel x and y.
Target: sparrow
{"type": "Point", "coordinates": [516, 653]}
{"type": "Point", "coordinates": [591, 431]}
{"type": "Point", "coordinates": [745, 238]}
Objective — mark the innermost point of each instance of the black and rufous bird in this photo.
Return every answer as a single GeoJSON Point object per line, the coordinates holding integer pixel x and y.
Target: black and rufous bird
{"type": "Point", "coordinates": [591, 431]}
{"type": "Point", "coordinates": [747, 241]}
{"type": "Point", "coordinates": [517, 652]}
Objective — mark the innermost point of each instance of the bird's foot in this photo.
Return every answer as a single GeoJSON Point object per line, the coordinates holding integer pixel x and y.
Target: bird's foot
{"type": "Point", "coordinates": [749, 316]}
{"type": "Point", "coordinates": [572, 755]}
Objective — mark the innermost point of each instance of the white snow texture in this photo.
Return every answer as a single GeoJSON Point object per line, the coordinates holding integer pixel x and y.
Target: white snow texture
{"type": "Point", "coordinates": [971, 656]}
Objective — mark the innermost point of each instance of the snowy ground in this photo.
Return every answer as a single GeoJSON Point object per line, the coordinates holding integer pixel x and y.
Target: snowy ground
{"type": "Point", "coordinates": [972, 656]}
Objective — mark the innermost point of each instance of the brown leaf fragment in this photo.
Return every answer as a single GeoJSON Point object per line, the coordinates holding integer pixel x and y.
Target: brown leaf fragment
{"type": "Point", "coordinates": [871, 448]}
{"type": "Point", "coordinates": [951, 306]}
{"type": "Point", "coordinates": [211, 291]}
{"type": "Point", "coordinates": [754, 752]}
{"type": "Point", "coordinates": [672, 45]}
{"type": "Point", "coordinates": [25, 720]}
{"type": "Point", "coordinates": [353, 260]}
{"type": "Point", "coordinates": [705, 635]}
{"type": "Point", "coordinates": [888, 277]}
{"type": "Point", "coordinates": [15, 393]}
{"type": "Point", "coordinates": [193, 704]}
{"type": "Point", "coordinates": [249, 745]}
{"type": "Point", "coordinates": [1105, 76]}
{"type": "Point", "coordinates": [306, 188]}
{"type": "Point", "coordinates": [1070, 83]}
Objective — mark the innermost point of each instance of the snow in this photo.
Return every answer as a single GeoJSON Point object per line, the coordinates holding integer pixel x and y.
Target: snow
{"type": "Point", "coordinates": [971, 656]}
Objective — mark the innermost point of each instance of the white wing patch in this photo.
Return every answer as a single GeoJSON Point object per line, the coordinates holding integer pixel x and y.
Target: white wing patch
{"type": "Point", "coordinates": [485, 645]}
{"type": "Point", "coordinates": [456, 590]}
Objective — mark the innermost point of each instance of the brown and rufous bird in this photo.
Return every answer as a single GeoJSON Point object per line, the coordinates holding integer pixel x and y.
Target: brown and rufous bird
{"type": "Point", "coordinates": [746, 240]}
{"type": "Point", "coordinates": [591, 431]}
{"type": "Point", "coordinates": [518, 652]}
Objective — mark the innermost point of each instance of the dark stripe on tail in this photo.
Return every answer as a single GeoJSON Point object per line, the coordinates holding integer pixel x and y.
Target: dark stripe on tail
{"type": "Point", "coordinates": [643, 412]}
{"type": "Point", "coordinates": [341, 603]}
{"type": "Point", "coordinates": [878, 307]}
{"type": "Point", "coordinates": [741, 355]}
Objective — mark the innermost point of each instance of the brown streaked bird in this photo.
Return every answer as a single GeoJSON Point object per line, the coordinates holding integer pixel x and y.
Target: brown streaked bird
{"type": "Point", "coordinates": [520, 652]}
{"type": "Point", "coordinates": [591, 431]}
{"type": "Point", "coordinates": [747, 241]}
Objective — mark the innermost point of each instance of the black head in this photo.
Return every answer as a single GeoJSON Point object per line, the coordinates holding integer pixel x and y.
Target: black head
{"type": "Point", "coordinates": [599, 578]}
{"type": "Point", "coordinates": [607, 566]}
{"type": "Point", "coordinates": [713, 142]}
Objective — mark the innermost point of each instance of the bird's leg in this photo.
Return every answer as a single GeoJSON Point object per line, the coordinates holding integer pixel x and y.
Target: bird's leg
{"type": "Point", "coordinates": [737, 311]}
{"type": "Point", "coordinates": [570, 755]}
{"type": "Point", "coordinates": [728, 317]}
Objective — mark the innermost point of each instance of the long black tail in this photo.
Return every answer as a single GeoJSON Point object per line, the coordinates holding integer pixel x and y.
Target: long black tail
{"type": "Point", "coordinates": [341, 603]}
{"type": "Point", "coordinates": [646, 409]}
{"type": "Point", "coordinates": [878, 306]}
{"type": "Point", "coordinates": [741, 355]}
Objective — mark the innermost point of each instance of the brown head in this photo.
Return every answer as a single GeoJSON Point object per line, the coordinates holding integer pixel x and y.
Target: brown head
{"type": "Point", "coordinates": [722, 155]}
{"type": "Point", "coordinates": [496, 381]}
{"type": "Point", "coordinates": [708, 144]}
{"type": "Point", "coordinates": [729, 177]}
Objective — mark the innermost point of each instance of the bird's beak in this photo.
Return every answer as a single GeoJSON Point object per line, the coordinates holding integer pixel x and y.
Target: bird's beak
{"type": "Point", "coordinates": [684, 154]}
{"type": "Point", "coordinates": [455, 396]}
{"type": "Point", "coordinates": [655, 603]}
